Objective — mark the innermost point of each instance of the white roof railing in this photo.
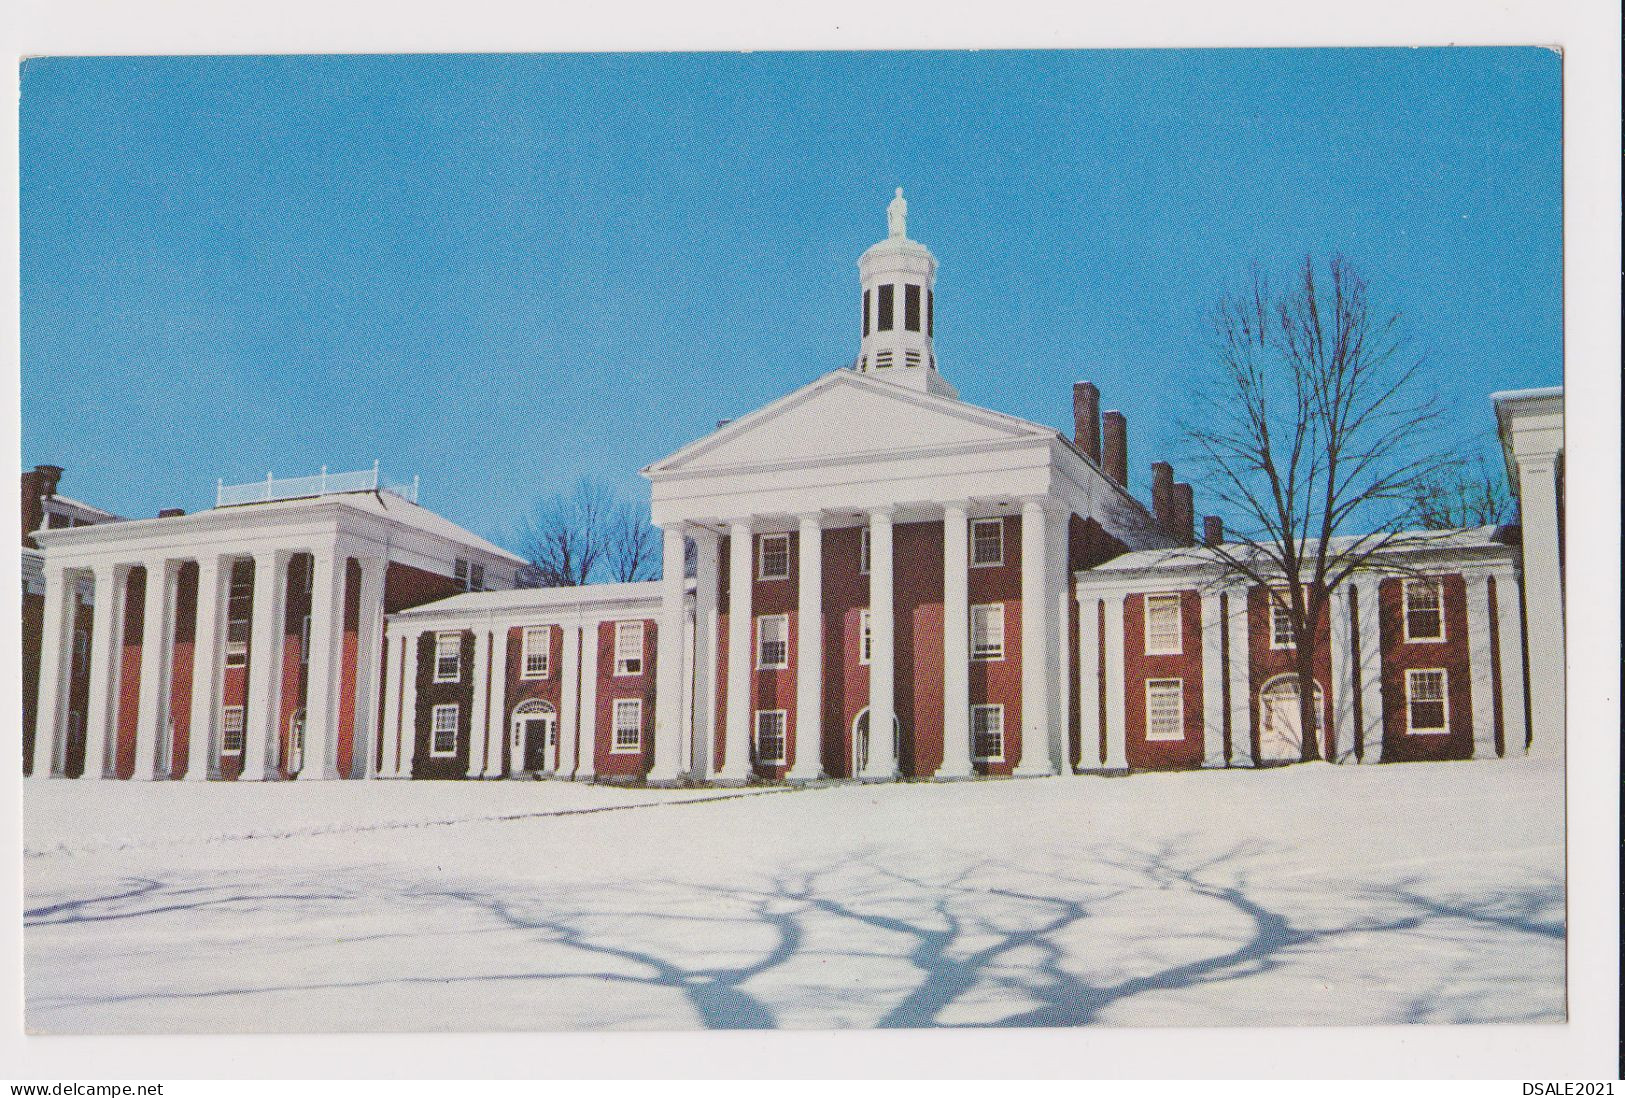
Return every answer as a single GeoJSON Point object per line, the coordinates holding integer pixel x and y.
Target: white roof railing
{"type": "Point", "coordinates": [323, 484]}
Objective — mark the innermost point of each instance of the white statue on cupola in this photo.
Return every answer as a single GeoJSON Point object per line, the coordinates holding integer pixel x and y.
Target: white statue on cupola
{"type": "Point", "coordinates": [899, 278]}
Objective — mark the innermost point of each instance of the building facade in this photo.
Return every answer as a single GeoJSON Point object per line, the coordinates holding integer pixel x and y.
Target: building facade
{"type": "Point", "coordinates": [887, 584]}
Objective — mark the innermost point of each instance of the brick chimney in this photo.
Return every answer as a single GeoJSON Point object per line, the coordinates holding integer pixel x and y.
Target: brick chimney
{"type": "Point", "coordinates": [37, 484]}
{"type": "Point", "coordinates": [1114, 446]}
{"type": "Point", "coordinates": [1184, 514]}
{"type": "Point", "coordinates": [1213, 530]}
{"type": "Point", "coordinates": [1162, 497]}
{"type": "Point", "coordinates": [1086, 418]}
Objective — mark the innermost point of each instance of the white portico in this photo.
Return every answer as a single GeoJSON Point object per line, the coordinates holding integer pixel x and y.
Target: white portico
{"type": "Point", "coordinates": [203, 612]}
{"type": "Point", "coordinates": [865, 459]}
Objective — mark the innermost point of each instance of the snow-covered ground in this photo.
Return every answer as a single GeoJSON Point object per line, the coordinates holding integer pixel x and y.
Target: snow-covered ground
{"type": "Point", "coordinates": [1308, 895]}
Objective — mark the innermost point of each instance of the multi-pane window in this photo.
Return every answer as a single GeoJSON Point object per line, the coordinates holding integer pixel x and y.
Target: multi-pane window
{"type": "Point", "coordinates": [1162, 625]}
{"type": "Point", "coordinates": [1165, 709]}
{"type": "Point", "coordinates": [884, 302]}
{"type": "Point", "coordinates": [443, 730]}
{"type": "Point", "coordinates": [1426, 697]}
{"type": "Point", "coordinates": [987, 733]}
{"type": "Point", "coordinates": [628, 724]}
{"type": "Point", "coordinates": [773, 641]}
{"type": "Point", "coordinates": [231, 730]}
{"type": "Point", "coordinates": [1280, 621]}
{"type": "Point", "coordinates": [987, 542]}
{"type": "Point", "coordinates": [987, 632]}
{"type": "Point", "coordinates": [448, 657]}
{"type": "Point", "coordinates": [773, 553]}
{"type": "Point", "coordinates": [865, 637]}
{"type": "Point", "coordinates": [534, 652]}
{"type": "Point", "coordinates": [239, 605]}
{"type": "Point", "coordinates": [911, 308]}
{"type": "Point", "coordinates": [866, 312]}
{"type": "Point", "coordinates": [476, 577]}
{"type": "Point", "coordinates": [930, 313]}
{"type": "Point", "coordinates": [1424, 610]}
{"type": "Point", "coordinates": [863, 551]}
{"type": "Point", "coordinates": [770, 735]}
{"type": "Point", "coordinates": [629, 648]}
{"type": "Point", "coordinates": [459, 573]}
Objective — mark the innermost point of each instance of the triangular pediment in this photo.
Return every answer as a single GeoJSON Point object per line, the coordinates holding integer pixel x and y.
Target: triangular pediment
{"type": "Point", "coordinates": [846, 413]}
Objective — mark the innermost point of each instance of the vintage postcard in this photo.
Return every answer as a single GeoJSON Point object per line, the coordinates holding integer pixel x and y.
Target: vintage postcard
{"type": "Point", "coordinates": [797, 540]}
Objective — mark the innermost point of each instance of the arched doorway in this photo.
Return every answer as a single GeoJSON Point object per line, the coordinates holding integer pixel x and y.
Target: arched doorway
{"type": "Point", "coordinates": [1280, 724]}
{"type": "Point", "coordinates": [535, 737]}
{"type": "Point", "coordinates": [860, 741]}
{"type": "Point", "coordinates": [296, 742]}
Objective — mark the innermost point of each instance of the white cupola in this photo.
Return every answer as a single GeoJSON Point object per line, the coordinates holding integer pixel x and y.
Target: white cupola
{"type": "Point", "coordinates": [899, 308]}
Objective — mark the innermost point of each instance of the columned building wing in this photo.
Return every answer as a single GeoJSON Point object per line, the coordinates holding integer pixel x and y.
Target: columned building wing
{"type": "Point", "coordinates": [243, 642]}
{"type": "Point", "coordinates": [1185, 664]}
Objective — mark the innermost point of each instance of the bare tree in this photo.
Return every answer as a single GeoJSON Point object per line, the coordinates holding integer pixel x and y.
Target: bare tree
{"type": "Point", "coordinates": [631, 546]}
{"type": "Point", "coordinates": [589, 534]}
{"type": "Point", "coordinates": [1314, 426]}
{"type": "Point", "coordinates": [1457, 498]}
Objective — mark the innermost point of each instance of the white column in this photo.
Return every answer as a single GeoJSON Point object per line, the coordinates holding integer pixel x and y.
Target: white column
{"type": "Point", "coordinates": [264, 659]}
{"type": "Point", "coordinates": [1480, 623]}
{"type": "Point", "coordinates": [809, 742]}
{"type": "Point", "coordinates": [390, 732]}
{"type": "Point", "coordinates": [206, 650]}
{"type": "Point", "coordinates": [56, 635]}
{"type": "Point", "coordinates": [669, 669]}
{"type": "Point", "coordinates": [100, 709]}
{"type": "Point", "coordinates": [741, 576]}
{"type": "Point", "coordinates": [1058, 609]}
{"type": "Point", "coordinates": [321, 689]}
{"type": "Point", "coordinates": [1241, 688]}
{"type": "Point", "coordinates": [369, 649]}
{"type": "Point", "coordinates": [150, 710]}
{"type": "Point", "coordinates": [1340, 629]}
{"type": "Point", "coordinates": [1509, 622]}
{"type": "Point", "coordinates": [955, 641]}
{"type": "Point", "coordinates": [1543, 602]}
{"type": "Point", "coordinates": [882, 762]}
{"type": "Point", "coordinates": [569, 700]}
{"type": "Point", "coordinates": [406, 738]}
{"type": "Point", "coordinates": [1035, 631]}
{"type": "Point", "coordinates": [1116, 728]}
{"type": "Point", "coordinates": [706, 578]}
{"type": "Point", "coordinates": [587, 717]}
{"type": "Point", "coordinates": [686, 761]}
{"type": "Point", "coordinates": [1089, 683]}
{"type": "Point", "coordinates": [497, 724]}
{"type": "Point", "coordinates": [1212, 681]}
{"type": "Point", "coordinates": [479, 716]}
{"type": "Point", "coordinates": [1370, 670]}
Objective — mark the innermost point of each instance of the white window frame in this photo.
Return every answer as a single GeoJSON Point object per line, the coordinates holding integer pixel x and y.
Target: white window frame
{"type": "Point", "coordinates": [435, 728]}
{"type": "Point", "coordinates": [1177, 601]}
{"type": "Point", "coordinates": [1177, 688]}
{"type": "Point", "coordinates": [761, 556]}
{"type": "Point", "coordinates": [865, 637]}
{"type": "Point", "coordinates": [622, 668]}
{"type": "Point", "coordinates": [989, 656]}
{"type": "Point", "coordinates": [440, 657]}
{"type": "Point", "coordinates": [986, 710]}
{"type": "Point", "coordinates": [1437, 584]}
{"type": "Point", "coordinates": [783, 662]}
{"type": "Point", "coordinates": [1283, 608]}
{"type": "Point", "coordinates": [982, 524]}
{"type": "Point", "coordinates": [782, 717]}
{"type": "Point", "coordinates": [1410, 701]}
{"type": "Point", "coordinates": [619, 706]}
{"type": "Point", "coordinates": [864, 553]}
{"type": "Point", "coordinates": [226, 713]}
{"type": "Point", "coordinates": [459, 572]}
{"type": "Point", "coordinates": [528, 647]}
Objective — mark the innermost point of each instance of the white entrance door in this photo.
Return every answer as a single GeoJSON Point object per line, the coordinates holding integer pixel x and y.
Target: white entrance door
{"type": "Point", "coordinates": [860, 741]}
{"type": "Point", "coordinates": [1280, 723]}
{"type": "Point", "coordinates": [534, 738]}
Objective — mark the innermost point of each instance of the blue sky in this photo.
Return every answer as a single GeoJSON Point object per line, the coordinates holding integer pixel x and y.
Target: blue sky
{"type": "Point", "coordinates": [500, 273]}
